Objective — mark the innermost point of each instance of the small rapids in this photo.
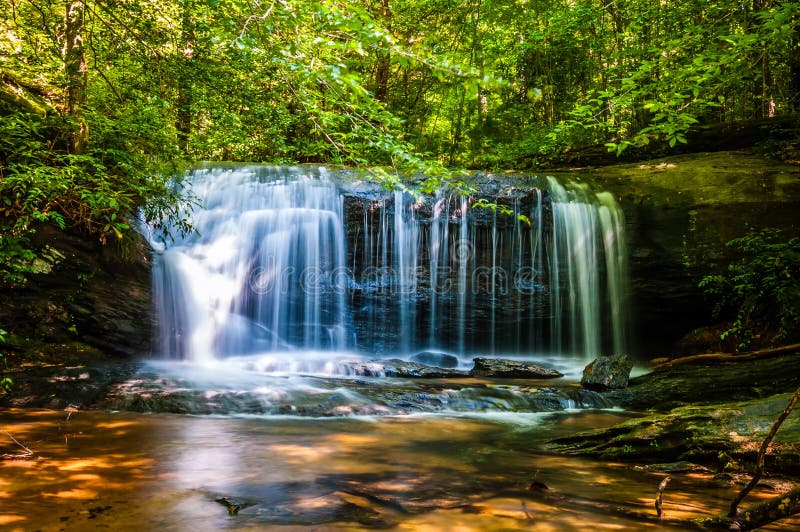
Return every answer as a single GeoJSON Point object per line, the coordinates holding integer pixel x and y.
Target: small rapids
{"type": "Point", "coordinates": [252, 386]}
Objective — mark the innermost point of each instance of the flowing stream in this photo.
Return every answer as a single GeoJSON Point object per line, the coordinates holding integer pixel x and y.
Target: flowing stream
{"type": "Point", "coordinates": [125, 471]}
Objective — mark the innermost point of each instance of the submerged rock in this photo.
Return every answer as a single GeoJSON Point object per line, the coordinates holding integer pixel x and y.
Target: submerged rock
{"type": "Point", "coordinates": [511, 369]}
{"type": "Point", "coordinates": [607, 373]}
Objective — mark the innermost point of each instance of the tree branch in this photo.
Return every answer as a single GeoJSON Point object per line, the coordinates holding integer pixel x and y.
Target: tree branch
{"type": "Point", "coordinates": [763, 451]}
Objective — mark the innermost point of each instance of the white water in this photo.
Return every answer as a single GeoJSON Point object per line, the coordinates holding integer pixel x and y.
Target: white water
{"type": "Point", "coordinates": [269, 272]}
{"type": "Point", "coordinates": [587, 241]}
{"type": "Point", "coordinates": [262, 272]}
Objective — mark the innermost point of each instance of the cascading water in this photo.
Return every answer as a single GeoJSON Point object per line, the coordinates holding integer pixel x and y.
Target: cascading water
{"type": "Point", "coordinates": [587, 248]}
{"type": "Point", "coordinates": [545, 274]}
{"type": "Point", "coordinates": [255, 276]}
{"type": "Point", "coordinates": [296, 277]}
{"type": "Point", "coordinates": [270, 270]}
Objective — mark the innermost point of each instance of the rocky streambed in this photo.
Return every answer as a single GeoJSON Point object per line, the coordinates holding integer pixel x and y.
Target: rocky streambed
{"type": "Point", "coordinates": [712, 410]}
{"type": "Point", "coordinates": [251, 386]}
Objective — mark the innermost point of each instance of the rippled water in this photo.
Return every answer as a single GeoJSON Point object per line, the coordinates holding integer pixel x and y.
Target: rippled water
{"type": "Point", "coordinates": [131, 471]}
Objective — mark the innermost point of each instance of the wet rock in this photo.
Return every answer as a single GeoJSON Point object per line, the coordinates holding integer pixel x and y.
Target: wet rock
{"type": "Point", "coordinates": [83, 291]}
{"type": "Point", "coordinates": [432, 358]}
{"type": "Point", "coordinates": [703, 381]}
{"type": "Point", "coordinates": [233, 505]}
{"type": "Point", "coordinates": [511, 369]}
{"type": "Point", "coordinates": [395, 367]}
{"type": "Point", "coordinates": [372, 368]}
{"type": "Point", "coordinates": [607, 373]}
{"type": "Point", "coordinates": [59, 387]}
{"type": "Point", "coordinates": [141, 388]}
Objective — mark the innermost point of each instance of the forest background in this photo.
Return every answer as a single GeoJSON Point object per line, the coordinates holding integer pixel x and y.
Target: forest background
{"type": "Point", "coordinates": [104, 102]}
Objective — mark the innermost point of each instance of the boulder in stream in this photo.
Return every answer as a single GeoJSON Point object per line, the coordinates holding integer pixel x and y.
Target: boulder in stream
{"type": "Point", "coordinates": [511, 369]}
{"type": "Point", "coordinates": [394, 367]}
{"type": "Point", "coordinates": [607, 373]}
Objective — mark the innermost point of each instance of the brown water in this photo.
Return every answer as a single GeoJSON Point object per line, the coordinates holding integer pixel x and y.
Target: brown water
{"type": "Point", "coordinates": [126, 471]}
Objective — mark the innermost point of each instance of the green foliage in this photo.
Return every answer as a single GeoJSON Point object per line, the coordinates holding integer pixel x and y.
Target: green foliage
{"type": "Point", "coordinates": [98, 191]}
{"type": "Point", "coordinates": [761, 290]}
{"type": "Point", "coordinates": [403, 84]}
{"type": "Point", "coordinates": [497, 208]}
{"type": "Point", "coordinates": [406, 87]}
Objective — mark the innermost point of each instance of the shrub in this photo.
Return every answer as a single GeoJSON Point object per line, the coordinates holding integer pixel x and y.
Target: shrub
{"type": "Point", "coordinates": [761, 290]}
{"type": "Point", "coordinates": [98, 192]}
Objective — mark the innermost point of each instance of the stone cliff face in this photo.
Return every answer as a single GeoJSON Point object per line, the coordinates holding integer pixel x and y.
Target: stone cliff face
{"type": "Point", "coordinates": [83, 292]}
{"type": "Point", "coordinates": [680, 212]}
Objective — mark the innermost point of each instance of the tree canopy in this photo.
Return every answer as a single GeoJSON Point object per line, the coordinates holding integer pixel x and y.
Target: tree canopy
{"type": "Point", "coordinates": [102, 100]}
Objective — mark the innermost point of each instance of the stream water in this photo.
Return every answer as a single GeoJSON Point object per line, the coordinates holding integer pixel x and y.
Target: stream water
{"type": "Point", "coordinates": [128, 471]}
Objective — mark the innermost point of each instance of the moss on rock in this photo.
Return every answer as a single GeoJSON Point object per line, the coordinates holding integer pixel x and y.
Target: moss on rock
{"type": "Point", "coordinates": [715, 435]}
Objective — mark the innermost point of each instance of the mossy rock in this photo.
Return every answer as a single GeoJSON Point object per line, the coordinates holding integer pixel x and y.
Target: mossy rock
{"type": "Point", "coordinates": [713, 435]}
{"type": "Point", "coordinates": [706, 382]}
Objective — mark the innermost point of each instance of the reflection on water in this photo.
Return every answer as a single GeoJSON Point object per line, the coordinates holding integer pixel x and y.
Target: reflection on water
{"type": "Point", "coordinates": [165, 472]}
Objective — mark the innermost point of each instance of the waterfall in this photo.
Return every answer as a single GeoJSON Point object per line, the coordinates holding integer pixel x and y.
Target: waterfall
{"type": "Point", "coordinates": [264, 270]}
{"type": "Point", "coordinates": [288, 259]}
{"type": "Point", "coordinates": [548, 277]}
{"type": "Point", "coordinates": [587, 248]}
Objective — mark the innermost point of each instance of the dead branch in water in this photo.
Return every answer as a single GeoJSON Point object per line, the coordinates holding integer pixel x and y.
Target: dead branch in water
{"type": "Point", "coordinates": [661, 488]}
{"type": "Point", "coordinates": [26, 455]}
{"type": "Point", "coordinates": [762, 452]}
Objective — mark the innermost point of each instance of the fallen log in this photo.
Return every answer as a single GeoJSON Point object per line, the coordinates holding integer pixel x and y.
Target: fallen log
{"type": "Point", "coordinates": [729, 357]}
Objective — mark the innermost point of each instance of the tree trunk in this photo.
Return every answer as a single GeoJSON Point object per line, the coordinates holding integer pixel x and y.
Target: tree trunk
{"type": "Point", "coordinates": [762, 82]}
{"type": "Point", "coordinates": [384, 58]}
{"type": "Point", "coordinates": [760, 465]}
{"type": "Point", "coordinates": [76, 72]}
{"type": "Point", "coordinates": [794, 66]}
{"type": "Point", "coordinates": [771, 510]}
{"type": "Point", "coordinates": [186, 56]}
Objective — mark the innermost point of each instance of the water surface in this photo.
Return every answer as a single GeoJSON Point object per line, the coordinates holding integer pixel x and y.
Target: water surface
{"type": "Point", "coordinates": [128, 471]}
